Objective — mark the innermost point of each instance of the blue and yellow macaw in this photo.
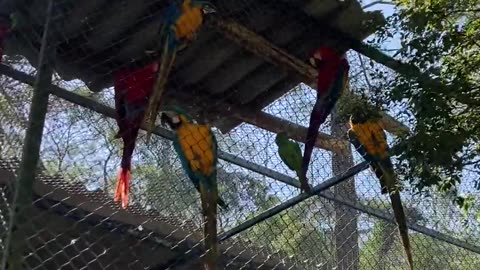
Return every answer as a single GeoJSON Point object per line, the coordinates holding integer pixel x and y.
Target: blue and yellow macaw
{"type": "Point", "coordinates": [181, 22]}
{"type": "Point", "coordinates": [368, 136]}
{"type": "Point", "coordinates": [196, 147]}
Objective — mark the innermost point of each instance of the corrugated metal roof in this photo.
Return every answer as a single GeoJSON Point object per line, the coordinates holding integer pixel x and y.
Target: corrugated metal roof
{"type": "Point", "coordinates": [96, 37]}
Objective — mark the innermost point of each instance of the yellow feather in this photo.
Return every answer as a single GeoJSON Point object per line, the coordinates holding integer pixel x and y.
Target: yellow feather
{"type": "Point", "coordinates": [197, 144]}
{"type": "Point", "coordinates": [189, 22]}
{"type": "Point", "coordinates": [371, 135]}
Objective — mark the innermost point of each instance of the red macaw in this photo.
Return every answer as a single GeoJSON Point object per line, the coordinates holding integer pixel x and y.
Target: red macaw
{"type": "Point", "coordinates": [332, 78]}
{"type": "Point", "coordinates": [133, 89]}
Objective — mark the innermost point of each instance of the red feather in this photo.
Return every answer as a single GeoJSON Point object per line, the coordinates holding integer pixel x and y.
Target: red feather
{"type": "Point", "coordinates": [327, 72]}
{"type": "Point", "coordinates": [332, 72]}
{"type": "Point", "coordinates": [132, 92]}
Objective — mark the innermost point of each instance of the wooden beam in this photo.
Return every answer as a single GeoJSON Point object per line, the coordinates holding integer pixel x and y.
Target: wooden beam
{"type": "Point", "coordinates": [296, 132]}
{"type": "Point", "coordinates": [260, 46]}
{"type": "Point", "coordinates": [260, 119]}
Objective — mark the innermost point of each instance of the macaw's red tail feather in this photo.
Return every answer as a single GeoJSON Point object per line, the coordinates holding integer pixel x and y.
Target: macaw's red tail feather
{"type": "Point", "coordinates": [317, 118]}
{"type": "Point", "coordinates": [123, 186]}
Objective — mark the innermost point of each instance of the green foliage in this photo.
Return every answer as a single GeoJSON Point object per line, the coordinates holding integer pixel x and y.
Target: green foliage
{"type": "Point", "coordinates": [350, 104]}
{"type": "Point", "coordinates": [439, 38]}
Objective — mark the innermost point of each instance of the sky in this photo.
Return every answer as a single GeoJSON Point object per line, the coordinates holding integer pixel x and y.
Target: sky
{"type": "Point", "coordinates": [387, 10]}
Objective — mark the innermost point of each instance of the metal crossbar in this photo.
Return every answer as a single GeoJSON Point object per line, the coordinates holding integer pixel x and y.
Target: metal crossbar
{"type": "Point", "coordinates": [109, 112]}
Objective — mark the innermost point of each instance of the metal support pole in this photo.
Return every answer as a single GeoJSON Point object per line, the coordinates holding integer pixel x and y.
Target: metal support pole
{"type": "Point", "coordinates": [294, 201]}
{"type": "Point", "coordinates": [23, 195]}
{"type": "Point", "coordinates": [167, 134]}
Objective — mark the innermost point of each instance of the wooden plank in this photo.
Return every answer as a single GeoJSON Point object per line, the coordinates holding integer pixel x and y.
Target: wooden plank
{"type": "Point", "coordinates": [272, 53]}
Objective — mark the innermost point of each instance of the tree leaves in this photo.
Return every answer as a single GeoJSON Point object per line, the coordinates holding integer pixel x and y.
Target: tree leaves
{"type": "Point", "coordinates": [440, 38]}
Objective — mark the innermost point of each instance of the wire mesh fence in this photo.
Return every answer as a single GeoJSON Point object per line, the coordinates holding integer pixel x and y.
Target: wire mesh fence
{"type": "Point", "coordinates": [219, 79]}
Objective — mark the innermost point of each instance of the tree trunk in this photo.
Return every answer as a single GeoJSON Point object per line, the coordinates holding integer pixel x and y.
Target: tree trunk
{"type": "Point", "coordinates": [346, 231]}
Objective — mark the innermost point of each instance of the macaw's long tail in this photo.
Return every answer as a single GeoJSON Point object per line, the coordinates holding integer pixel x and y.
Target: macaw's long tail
{"type": "Point", "coordinates": [302, 179]}
{"type": "Point", "coordinates": [168, 58]}
{"type": "Point", "coordinates": [402, 225]}
{"type": "Point", "coordinates": [209, 206]}
{"type": "Point", "coordinates": [123, 183]}
{"type": "Point", "coordinates": [317, 118]}
{"type": "Point", "coordinates": [123, 186]}
{"type": "Point", "coordinates": [389, 180]}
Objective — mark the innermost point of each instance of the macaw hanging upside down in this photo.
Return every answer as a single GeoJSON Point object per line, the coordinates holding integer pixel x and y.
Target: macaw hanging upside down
{"type": "Point", "coordinates": [180, 23]}
{"type": "Point", "coordinates": [133, 87]}
{"type": "Point", "coordinates": [332, 78]}
{"type": "Point", "coordinates": [196, 147]}
{"type": "Point", "coordinates": [368, 137]}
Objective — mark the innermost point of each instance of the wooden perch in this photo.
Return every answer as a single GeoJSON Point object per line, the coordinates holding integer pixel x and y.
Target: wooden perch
{"type": "Point", "coordinates": [297, 132]}
{"type": "Point", "coordinates": [259, 119]}
{"type": "Point", "coordinates": [258, 45]}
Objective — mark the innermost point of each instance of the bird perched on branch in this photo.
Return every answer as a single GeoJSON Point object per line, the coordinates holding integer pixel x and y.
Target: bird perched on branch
{"type": "Point", "coordinates": [196, 147]}
{"type": "Point", "coordinates": [368, 137]}
{"type": "Point", "coordinates": [290, 153]}
{"type": "Point", "coordinates": [180, 23]}
{"type": "Point", "coordinates": [332, 77]}
{"type": "Point", "coordinates": [133, 88]}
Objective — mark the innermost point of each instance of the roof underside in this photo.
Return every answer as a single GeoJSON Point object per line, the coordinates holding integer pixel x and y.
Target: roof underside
{"type": "Point", "coordinates": [96, 37]}
{"type": "Point", "coordinates": [95, 233]}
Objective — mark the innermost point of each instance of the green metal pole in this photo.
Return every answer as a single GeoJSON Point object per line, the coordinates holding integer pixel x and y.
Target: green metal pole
{"type": "Point", "coordinates": [23, 196]}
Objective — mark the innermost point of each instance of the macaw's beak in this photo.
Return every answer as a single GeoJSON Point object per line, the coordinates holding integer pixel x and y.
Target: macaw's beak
{"type": "Point", "coordinates": [170, 118]}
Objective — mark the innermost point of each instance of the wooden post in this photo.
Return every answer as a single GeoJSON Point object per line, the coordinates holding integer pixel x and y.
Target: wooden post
{"type": "Point", "coordinates": [23, 195]}
{"type": "Point", "coordinates": [346, 218]}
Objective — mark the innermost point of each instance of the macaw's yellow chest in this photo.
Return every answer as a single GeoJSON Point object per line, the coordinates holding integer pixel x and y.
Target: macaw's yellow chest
{"type": "Point", "coordinates": [189, 22]}
{"type": "Point", "coordinates": [372, 136]}
{"type": "Point", "coordinates": [196, 142]}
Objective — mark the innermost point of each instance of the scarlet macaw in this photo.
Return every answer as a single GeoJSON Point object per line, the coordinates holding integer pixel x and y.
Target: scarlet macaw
{"type": "Point", "coordinates": [132, 92]}
{"type": "Point", "coordinates": [332, 78]}
{"type": "Point", "coordinates": [368, 137]}
{"type": "Point", "coordinates": [290, 153]}
{"type": "Point", "coordinates": [181, 21]}
{"type": "Point", "coordinates": [196, 147]}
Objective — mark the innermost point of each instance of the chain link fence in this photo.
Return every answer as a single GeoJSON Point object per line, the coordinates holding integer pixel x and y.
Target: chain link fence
{"type": "Point", "coordinates": [73, 222]}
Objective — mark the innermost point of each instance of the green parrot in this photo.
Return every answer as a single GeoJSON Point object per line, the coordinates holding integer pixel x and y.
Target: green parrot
{"type": "Point", "coordinates": [290, 153]}
{"type": "Point", "coordinates": [196, 147]}
{"type": "Point", "coordinates": [368, 137]}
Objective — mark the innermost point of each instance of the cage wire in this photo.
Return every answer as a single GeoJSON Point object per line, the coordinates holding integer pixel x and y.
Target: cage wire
{"type": "Point", "coordinates": [73, 222]}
